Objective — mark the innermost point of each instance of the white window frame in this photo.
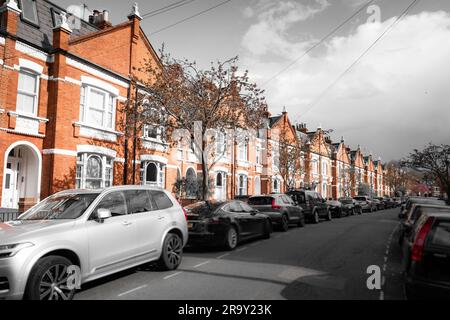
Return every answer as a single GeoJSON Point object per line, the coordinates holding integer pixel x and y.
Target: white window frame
{"type": "Point", "coordinates": [35, 95]}
{"type": "Point", "coordinates": [242, 190]}
{"type": "Point", "coordinates": [107, 169]}
{"type": "Point", "coordinates": [258, 155]}
{"type": "Point", "coordinates": [160, 174]}
{"type": "Point", "coordinates": [243, 151]}
{"type": "Point", "coordinates": [221, 145]}
{"type": "Point", "coordinates": [109, 107]}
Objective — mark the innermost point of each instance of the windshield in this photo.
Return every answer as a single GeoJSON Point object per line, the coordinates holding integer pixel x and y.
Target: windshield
{"type": "Point", "coordinates": [69, 206]}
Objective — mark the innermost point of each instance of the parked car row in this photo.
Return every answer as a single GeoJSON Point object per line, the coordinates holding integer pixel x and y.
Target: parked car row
{"type": "Point", "coordinates": [424, 237]}
{"type": "Point", "coordinates": [226, 224]}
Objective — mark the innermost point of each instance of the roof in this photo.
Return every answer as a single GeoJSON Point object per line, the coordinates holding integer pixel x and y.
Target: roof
{"type": "Point", "coordinates": [42, 35]}
{"type": "Point", "coordinates": [274, 120]}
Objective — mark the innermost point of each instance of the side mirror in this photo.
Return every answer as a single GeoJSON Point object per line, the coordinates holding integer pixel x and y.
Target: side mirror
{"type": "Point", "coordinates": [103, 214]}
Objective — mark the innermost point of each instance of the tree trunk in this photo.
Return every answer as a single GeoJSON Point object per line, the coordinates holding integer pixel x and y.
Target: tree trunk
{"type": "Point", "coordinates": [205, 186]}
{"type": "Point", "coordinates": [447, 190]}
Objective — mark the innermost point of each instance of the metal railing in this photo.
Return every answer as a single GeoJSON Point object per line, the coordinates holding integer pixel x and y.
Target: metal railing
{"type": "Point", "coordinates": [8, 216]}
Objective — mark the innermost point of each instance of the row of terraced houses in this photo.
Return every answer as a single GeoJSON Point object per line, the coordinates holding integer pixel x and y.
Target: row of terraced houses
{"type": "Point", "coordinates": [62, 86]}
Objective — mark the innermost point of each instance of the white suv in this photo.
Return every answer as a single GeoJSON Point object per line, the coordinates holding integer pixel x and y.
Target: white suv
{"type": "Point", "coordinates": [77, 236]}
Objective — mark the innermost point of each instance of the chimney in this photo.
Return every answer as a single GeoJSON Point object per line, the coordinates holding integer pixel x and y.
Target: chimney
{"type": "Point", "coordinates": [61, 33]}
{"type": "Point", "coordinates": [302, 127]}
{"type": "Point", "coordinates": [100, 19]}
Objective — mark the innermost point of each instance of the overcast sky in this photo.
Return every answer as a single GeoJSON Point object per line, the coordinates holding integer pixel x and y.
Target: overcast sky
{"type": "Point", "coordinates": [395, 99]}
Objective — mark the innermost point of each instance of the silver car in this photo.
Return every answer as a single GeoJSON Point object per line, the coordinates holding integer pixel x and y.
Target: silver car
{"type": "Point", "coordinates": [76, 236]}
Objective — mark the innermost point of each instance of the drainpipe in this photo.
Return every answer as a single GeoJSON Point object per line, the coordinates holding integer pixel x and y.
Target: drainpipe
{"type": "Point", "coordinates": [134, 134]}
{"type": "Point", "coordinates": [125, 166]}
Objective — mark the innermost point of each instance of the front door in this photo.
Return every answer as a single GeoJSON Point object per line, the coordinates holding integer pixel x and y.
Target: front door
{"type": "Point", "coordinates": [221, 187]}
{"type": "Point", "coordinates": [13, 181]}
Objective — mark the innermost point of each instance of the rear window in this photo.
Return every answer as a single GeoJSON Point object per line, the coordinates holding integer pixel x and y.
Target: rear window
{"type": "Point", "coordinates": [346, 201]}
{"type": "Point", "coordinates": [138, 201]}
{"type": "Point", "coordinates": [297, 197]}
{"type": "Point", "coordinates": [441, 235]}
{"type": "Point", "coordinates": [162, 201]}
{"type": "Point", "coordinates": [203, 208]}
{"type": "Point", "coordinates": [260, 201]}
{"type": "Point", "coordinates": [360, 198]}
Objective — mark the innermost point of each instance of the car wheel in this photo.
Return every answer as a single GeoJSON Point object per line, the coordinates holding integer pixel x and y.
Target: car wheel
{"type": "Point", "coordinates": [284, 223]}
{"type": "Point", "coordinates": [172, 252]}
{"type": "Point", "coordinates": [49, 280]}
{"type": "Point", "coordinates": [360, 211]}
{"type": "Point", "coordinates": [267, 229]}
{"type": "Point", "coordinates": [316, 217]}
{"type": "Point", "coordinates": [329, 218]}
{"type": "Point", "coordinates": [301, 222]}
{"type": "Point", "coordinates": [231, 238]}
{"type": "Point", "coordinates": [353, 212]}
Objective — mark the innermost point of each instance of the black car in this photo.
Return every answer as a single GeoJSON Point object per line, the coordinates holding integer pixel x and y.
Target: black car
{"type": "Point", "coordinates": [225, 223]}
{"type": "Point", "coordinates": [404, 211]}
{"type": "Point", "coordinates": [426, 257]}
{"type": "Point", "coordinates": [280, 208]}
{"type": "Point", "coordinates": [417, 210]}
{"type": "Point", "coordinates": [313, 205]}
{"type": "Point", "coordinates": [351, 206]}
{"type": "Point", "coordinates": [336, 208]}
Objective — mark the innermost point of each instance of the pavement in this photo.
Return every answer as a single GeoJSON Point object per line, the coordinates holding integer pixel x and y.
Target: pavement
{"type": "Point", "coordinates": [324, 261]}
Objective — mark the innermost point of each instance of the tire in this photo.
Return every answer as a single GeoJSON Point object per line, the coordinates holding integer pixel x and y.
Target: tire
{"type": "Point", "coordinates": [316, 218]}
{"type": "Point", "coordinates": [172, 252]}
{"type": "Point", "coordinates": [47, 281]}
{"type": "Point", "coordinates": [231, 238]}
{"type": "Point", "coordinates": [353, 212]}
{"type": "Point", "coordinates": [360, 211]}
{"type": "Point", "coordinates": [284, 223]}
{"type": "Point", "coordinates": [328, 218]}
{"type": "Point", "coordinates": [267, 229]}
{"type": "Point", "coordinates": [301, 222]}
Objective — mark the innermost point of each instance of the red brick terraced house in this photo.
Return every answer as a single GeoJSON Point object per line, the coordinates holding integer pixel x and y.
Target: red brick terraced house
{"type": "Point", "coordinates": [341, 170]}
{"type": "Point", "coordinates": [62, 90]}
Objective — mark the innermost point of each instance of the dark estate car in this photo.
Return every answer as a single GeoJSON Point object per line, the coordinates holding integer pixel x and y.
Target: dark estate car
{"type": "Point", "coordinates": [351, 206]}
{"type": "Point", "coordinates": [225, 223]}
{"type": "Point", "coordinates": [313, 205]}
{"type": "Point", "coordinates": [336, 208]}
{"type": "Point", "coordinates": [280, 208]}
{"type": "Point", "coordinates": [426, 257]}
{"type": "Point", "coordinates": [417, 210]}
{"type": "Point", "coordinates": [366, 203]}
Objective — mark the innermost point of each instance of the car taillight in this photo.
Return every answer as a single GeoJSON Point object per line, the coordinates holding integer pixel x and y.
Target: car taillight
{"type": "Point", "coordinates": [185, 213]}
{"type": "Point", "coordinates": [419, 241]}
{"type": "Point", "coordinates": [274, 205]}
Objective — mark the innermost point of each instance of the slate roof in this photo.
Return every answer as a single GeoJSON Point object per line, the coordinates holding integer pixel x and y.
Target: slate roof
{"type": "Point", "coordinates": [274, 120]}
{"type": "Point", "coordinates": [42, 35]}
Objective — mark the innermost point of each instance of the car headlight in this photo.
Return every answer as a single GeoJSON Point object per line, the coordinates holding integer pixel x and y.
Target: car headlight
{"type": "Point", "coordinates": [10, 250]}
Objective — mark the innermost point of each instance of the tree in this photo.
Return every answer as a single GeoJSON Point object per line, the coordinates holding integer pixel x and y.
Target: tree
{"type": "Point", "coordinates": [435, 161]}
{"type": "Point", "coordinates": [181, 97]}
{"type": "Point", "coordinates": [290, 153]}
{"type": "Point", "coordinates": [396, 177]}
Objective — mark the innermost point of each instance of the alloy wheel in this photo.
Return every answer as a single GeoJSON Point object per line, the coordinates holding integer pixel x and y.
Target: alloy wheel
{"type": "Point", "coordinates": [53, 284]}
{"type": "Point", "coordinates": [174, 251]}
{"type": "Point", "coordinates": [232, 238]}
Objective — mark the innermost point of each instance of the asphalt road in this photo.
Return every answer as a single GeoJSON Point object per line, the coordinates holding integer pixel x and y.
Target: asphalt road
{"type": "Point", "coordinates": [324, 261]}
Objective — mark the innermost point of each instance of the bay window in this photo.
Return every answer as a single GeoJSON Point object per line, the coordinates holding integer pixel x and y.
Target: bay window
{"type": "Point", "coordinates": [97, 108]}
{"type": "Point", "coordinates": [27, 92]}
{"type": "Point", "coordinates": [94, 171]}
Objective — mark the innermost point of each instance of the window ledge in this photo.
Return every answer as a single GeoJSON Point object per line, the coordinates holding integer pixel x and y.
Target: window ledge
{"type": "Point", "coordinates": [158, 141]}
{"type": "Point", "coordinates": [26, 116]}
{"type": "Point", "coordinates": [110, 131]}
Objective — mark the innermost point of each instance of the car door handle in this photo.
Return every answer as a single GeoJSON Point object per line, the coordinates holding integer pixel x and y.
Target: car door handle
{"type": "Point", "coordinates": [161, 218]}
{"type": "Point", "coordinates": [127, 223]}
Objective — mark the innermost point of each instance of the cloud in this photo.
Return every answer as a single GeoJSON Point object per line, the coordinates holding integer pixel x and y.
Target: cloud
{"type": "Point", "coordinates": [269, 35]}
{"type": "Point", "coordinates": [394, 100]}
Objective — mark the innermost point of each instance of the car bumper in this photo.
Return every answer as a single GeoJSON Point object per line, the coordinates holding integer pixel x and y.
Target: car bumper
{"type": "Point", "coordinates": [12, 277]}
{"type": "Point", "coordinates": [204, 239]}
{"type": "Point", "coordinates": [421, 289]}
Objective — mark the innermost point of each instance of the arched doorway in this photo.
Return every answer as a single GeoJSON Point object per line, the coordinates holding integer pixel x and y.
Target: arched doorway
{"type": "Point", "coordinates": [21, 175]}
{"type": "Point", "coordinates": [220, 191]}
